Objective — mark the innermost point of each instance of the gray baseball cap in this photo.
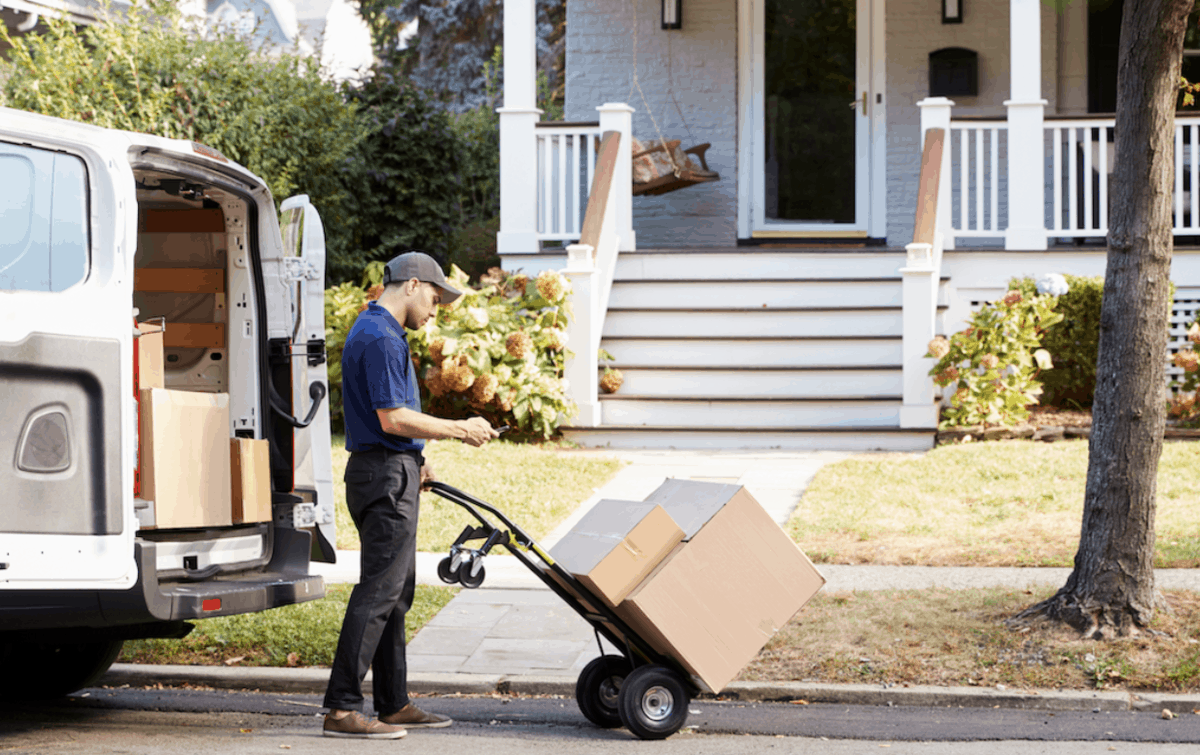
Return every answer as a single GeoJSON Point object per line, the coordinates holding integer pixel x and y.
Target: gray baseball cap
{"type": "Point", "coordinates": [419, 265]}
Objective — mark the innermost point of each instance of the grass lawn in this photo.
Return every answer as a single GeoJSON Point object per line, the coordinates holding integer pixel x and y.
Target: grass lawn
{"type": "Point", "coordinates": [536, 488]}
{"type": "Point", "coordinates": [304, 634]}
{"type": "Point", "coordinates": [958, 638]}
{"type": "Point", "coordinates": [1013, 503]}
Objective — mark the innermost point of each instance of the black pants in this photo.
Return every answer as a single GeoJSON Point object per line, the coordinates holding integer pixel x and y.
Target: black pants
{"type": "Point", "coordinates": [382, 491]}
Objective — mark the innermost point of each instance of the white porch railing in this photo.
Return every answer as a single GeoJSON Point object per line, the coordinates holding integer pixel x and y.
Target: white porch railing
{"type": "Point", "coordinates": [566, 164]}
{"type": "Point", "coordinates": [920, 277]}
{"type": "Point", "coordinates": [590, 267]}
{"type": "Point", "coordinates": [1079, 155]}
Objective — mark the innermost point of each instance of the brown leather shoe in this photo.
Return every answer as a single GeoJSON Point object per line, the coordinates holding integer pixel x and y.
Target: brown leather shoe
{"type": "Point", "coordinates": [357, 725]}
{"type": "Point", "coordinates": [412, 717]}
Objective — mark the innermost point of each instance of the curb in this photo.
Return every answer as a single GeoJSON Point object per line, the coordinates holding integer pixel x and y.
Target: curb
{"type": "Point", "coordinates": [313, 681]}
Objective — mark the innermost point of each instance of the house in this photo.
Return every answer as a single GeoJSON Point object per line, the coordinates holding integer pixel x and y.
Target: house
{"type": "Point", "coordinates": [787, 305]}
{"type": "Point", "coordinates": [331, 26]}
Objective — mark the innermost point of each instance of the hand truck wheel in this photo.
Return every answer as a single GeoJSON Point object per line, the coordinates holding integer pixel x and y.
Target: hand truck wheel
{"type": "Point", "coordinates": [446, 571]}
{"type": "Point", "coordinates": [471, 574]}
{"type": "Point", "coordinates": [598, 689]}
{"type": "Point", "coordinates": [653, 702]}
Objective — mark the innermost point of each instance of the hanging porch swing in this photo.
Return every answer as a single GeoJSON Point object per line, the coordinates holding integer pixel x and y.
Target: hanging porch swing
{"type": "Point", "coordinates": [661, 166]}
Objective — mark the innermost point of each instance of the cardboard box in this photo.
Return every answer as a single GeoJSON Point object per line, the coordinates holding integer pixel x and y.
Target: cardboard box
{"type": "Point", "coordinates": [185, 457]}
{"type": "Point", "coordinates": [150, 355]}
{"type": "Point", "coordinates": [615, 545]}
{"type": "Point", "coordinates": [717, 598]}
{"type": "Point", "coordinates": [250, 468]}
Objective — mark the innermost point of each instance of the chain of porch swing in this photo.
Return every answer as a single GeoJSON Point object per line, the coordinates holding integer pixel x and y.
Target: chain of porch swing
{"type": "Point", "coordinates": [634, 83]}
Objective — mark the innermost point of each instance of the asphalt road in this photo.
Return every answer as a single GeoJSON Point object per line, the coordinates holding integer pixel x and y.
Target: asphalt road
{"type": "Point", "coordinates": [171, 721]}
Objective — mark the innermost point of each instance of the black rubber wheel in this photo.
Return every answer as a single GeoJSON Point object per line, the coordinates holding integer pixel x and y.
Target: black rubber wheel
{"type": "Point", "coordinates": [653, 702]}
{"type": "Point", "coordinates": [446, 573]}
{"type": "Point", "coordinates": [46, 671]}
{"type": "Point", "coordinates": [468, 579]}
{"type": "Point", "coordinates": [598, 690]}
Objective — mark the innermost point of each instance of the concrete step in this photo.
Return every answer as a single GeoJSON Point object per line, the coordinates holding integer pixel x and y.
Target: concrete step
{"type": "Point", "coordinates": [666, 293]}
{"type": "Point", "coordinates": [704, 412]}
{"type": "Point", "coordinates": [793, 438]}
{"type": "Point", "coordinates": [705, 351]}
{"type": "Point", "coordinates": [760, 382]}
{"type": "Point", "coordinates": [746, 263]}
{"type": "Point", "coordinates": [861, 321]}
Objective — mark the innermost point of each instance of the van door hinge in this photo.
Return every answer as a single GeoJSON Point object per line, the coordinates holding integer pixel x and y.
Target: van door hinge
{"type": "Point", "coordinates": [298, 268]}
{"type": "Point", "coordinates": [316, 351]}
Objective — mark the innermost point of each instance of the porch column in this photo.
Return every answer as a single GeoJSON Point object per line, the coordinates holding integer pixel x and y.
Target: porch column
{"type": "Point", "coordinates": [617, 116]}
{"type": "Point", "coordinates": [518, 139]}
{"type": "Point", "coordinates": [935, 113]}
{"type": "Point", "coordinates": [1026, 130]}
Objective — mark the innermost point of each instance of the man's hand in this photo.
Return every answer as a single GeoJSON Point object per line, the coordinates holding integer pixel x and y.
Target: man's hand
{"type": "Point", "coordinates": [478, 431]}
{"type": "Point", "coordinates": [427, 476]}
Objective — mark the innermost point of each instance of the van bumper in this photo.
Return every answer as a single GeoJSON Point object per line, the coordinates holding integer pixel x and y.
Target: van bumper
{"type": "Point", "coordinates": [151, 603]}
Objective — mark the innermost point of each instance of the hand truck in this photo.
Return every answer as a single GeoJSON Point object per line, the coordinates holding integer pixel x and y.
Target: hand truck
{"type": "Point", "coordinates": [641, 689]}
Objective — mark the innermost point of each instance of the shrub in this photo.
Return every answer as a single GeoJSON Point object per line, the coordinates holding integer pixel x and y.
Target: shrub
{"type": "Point", "coordinates": [1184, 404]}
{"type": "Point", "coordinates": [148, 72]}
{"type": "Point", "coordinates": [995, 362]}
{"type": "Point", "coordinates": [498, 351]}
{"type": "Point", "coordinates": [1072, 342]}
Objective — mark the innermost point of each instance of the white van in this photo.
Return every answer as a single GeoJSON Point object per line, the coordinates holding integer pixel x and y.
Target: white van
{"type": "Point", "coordinates": [105, 235]}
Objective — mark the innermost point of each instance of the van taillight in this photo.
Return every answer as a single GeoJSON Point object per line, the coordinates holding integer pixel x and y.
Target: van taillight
{"type": "Point", "coordinates": [211, 604]}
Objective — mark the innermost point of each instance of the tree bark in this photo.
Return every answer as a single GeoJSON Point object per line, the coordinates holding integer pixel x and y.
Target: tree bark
{"type": "Point", "coordinates": [1111, 589]}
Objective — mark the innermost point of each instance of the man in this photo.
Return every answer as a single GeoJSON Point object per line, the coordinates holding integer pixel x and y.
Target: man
{"type": "Point", "coordinates": [384, 435]}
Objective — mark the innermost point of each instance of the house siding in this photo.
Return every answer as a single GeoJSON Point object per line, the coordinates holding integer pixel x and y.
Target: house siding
{"type": "Point", "coordinates": [699, 64]}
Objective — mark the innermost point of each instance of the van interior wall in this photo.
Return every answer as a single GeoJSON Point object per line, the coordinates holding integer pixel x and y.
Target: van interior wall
{"type": "Point", "coordinates": [184, 247]}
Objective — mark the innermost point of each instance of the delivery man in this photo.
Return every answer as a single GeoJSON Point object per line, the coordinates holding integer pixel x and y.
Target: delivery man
{"type": "Point", "coordinates": [385, 429]}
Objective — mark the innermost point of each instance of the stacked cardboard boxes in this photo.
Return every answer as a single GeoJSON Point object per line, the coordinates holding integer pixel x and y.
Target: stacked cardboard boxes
{"type": "Point", "coordinates": [724, 580]}
{"type": "Point", "coordinates": [191, 472]}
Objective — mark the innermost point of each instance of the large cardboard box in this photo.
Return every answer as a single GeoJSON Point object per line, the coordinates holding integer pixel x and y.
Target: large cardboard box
{"type": "Point", "coordinates": [615, 545]}
{"type": "Point", "coordinates": [185, 457]}
{"type": "Point", "coordinates": [150, 355]}
{"type": "Point", "coordinates": [717, 598]}
{"type": "Point", "coordinates": [250, 468]}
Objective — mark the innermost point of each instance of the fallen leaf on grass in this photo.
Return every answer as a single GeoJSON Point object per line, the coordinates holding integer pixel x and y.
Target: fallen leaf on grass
{"type": "Point", "coordinates": [235, 660]}
{"type": "Point", "coordinates": [293, 659]}
{"type": "Point", "coordinates": [246, 731]}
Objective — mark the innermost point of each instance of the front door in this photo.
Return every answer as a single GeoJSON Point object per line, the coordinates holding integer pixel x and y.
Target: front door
{"type": "Point", "coordinates": [814, 102]}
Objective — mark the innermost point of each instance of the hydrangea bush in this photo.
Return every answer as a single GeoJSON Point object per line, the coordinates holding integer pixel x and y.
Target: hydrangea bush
{"type": "Point", "coordinates": [498, 351]}
{"type": "Point", "coordinates": [994, 363]}
{"type": "Point", "coordinates": [1184, 405]}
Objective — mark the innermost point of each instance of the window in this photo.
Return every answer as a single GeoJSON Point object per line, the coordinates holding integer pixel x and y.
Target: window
{"type": "Point", "coordinates": [44, 236]}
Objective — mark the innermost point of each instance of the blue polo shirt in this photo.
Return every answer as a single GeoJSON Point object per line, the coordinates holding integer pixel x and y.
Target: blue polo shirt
{"type": "Point", "coordinates": [377, 373]}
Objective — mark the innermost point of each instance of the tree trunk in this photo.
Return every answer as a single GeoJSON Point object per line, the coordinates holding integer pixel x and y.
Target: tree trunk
{"type": "Point", "coordinates": [1111, 590]}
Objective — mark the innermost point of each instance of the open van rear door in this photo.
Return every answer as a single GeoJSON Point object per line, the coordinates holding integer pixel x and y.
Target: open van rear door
{"type": "Point", "coordinates": [66, 328]}
{"type": "Point", "coordinates": [304, 266]}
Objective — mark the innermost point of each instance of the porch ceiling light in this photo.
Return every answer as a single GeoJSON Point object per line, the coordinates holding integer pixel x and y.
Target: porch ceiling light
{"type": "Point", "coordinates": [952, 11]}
{"type": "Point", "coordinates": [672, 14]}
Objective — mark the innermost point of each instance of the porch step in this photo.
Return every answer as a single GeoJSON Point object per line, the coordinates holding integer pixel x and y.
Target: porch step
{"type": "Point", "coordinates": [665, 293]}
{"type": "Point", "coordinates": [747, 263]}
{"type": "Point", "coordinates": [782, 412]}
{"type": "Point", "coordinates": [763, 438]}
{"type": "Point", "coordinates": [850, 351]}
{"type": "Point", "coordinates": [762, 382]}
{"type": "Point", "coordinates": [754, 322]}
